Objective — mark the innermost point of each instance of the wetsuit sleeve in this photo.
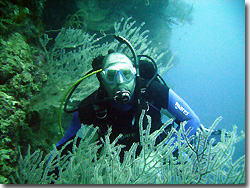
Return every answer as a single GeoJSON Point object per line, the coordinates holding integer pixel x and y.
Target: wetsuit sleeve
{"type": "Point", "coordinates": [72, 130]}
{"type": "Point", "coordinates": [182, 112]}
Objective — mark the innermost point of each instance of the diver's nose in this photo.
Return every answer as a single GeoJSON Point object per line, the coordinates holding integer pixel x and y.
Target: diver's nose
{"type": "Point", "coordinates": [119, 78]}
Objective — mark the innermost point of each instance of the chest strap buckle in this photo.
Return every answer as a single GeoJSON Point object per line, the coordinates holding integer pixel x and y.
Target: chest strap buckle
{"type": "Point", "coordinates": [101, 113]}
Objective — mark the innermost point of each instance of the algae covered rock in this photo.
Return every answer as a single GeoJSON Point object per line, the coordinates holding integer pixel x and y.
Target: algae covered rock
{"type": "Point", "coordinates": [20, 80]}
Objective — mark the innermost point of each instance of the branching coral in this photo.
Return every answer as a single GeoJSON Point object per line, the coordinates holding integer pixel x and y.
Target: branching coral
{"type": "Point", "coordinates": [79, 20]}
{"type": "Point", "coordinates": [98, 18]}
{"type": "Point", "coordinates": [198, 163]}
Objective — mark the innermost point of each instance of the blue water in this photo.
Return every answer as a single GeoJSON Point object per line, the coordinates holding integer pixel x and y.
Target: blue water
{"type": "Point", "coordinates": [210, 74]}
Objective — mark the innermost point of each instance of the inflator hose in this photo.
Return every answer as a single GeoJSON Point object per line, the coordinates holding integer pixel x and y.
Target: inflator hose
{"type": "Point", "coordinates": [66, 94]}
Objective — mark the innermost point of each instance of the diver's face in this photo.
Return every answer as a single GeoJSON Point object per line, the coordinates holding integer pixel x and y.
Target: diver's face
{"type": "Point", "coordinates": [118, 74]}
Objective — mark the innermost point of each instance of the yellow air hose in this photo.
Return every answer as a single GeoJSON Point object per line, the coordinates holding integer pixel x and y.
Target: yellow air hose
{"type": "Point", "coordinates": [66, 94]}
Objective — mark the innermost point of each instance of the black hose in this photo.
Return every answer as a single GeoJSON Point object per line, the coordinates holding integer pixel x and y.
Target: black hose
{"type": "Point", "coordinates": [154, 64]}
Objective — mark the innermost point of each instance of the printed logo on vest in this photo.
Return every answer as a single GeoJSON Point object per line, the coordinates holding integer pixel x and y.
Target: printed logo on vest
{"type": "Point", "coordinates": [181, 108]}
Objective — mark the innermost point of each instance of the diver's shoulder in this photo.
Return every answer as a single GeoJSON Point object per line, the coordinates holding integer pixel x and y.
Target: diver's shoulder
{"type": "Point", "coordinates": [158, 85]}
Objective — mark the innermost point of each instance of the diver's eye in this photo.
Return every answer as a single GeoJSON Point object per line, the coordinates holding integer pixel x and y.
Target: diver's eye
{"type": "Point", "coordinates": [110, 75]}
{"type": "Point", "coordinates": [128, 74]}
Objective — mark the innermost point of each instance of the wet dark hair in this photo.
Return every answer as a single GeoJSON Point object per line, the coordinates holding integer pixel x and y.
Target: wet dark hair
{"type": "Point", "coordinates": [98, 61]}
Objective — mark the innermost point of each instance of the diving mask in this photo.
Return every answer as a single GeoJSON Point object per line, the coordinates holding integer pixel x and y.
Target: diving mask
{"type": "Point", "coordinates": [120, 71]}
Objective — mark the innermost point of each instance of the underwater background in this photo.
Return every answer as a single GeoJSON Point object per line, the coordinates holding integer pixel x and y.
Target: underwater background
{"type": "Point", "coordinates": [210, 73]}
{"type": "Point", "coordinates": [46, 45]}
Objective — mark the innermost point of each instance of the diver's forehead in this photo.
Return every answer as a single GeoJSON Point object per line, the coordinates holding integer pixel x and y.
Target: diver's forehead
{"type": "Point", "coordinates": [118, 65]}
{"type": "Point", "coordinates": [117, 59]}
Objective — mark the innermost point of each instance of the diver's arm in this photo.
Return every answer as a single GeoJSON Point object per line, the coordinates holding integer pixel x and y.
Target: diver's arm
{"type": "Point", "coordinates": [72, 130]}
{"type": "Point", "coordinates": [182, 112]}
{"type": "Point", "coordinates": [75, 129]}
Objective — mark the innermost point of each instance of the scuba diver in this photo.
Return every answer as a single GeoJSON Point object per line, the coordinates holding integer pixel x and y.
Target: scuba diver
{"type": "Point", "coordinates": [126, 88]}
{"type": "Point", "coordinates": [118, 84]}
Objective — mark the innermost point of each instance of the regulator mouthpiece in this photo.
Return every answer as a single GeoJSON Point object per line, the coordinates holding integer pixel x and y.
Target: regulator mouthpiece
{"type": "Point", "coordinates": [122, 96]}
